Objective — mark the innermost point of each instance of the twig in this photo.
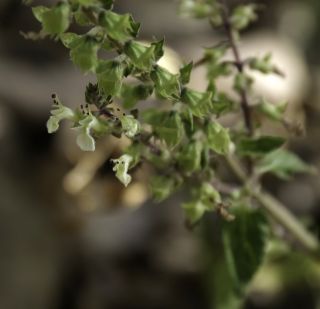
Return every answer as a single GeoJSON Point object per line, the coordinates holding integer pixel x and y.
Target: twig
{"type": "Point", "coordinates": [278, 211]}
{"type": "Point", "coordinates": [239, 65]}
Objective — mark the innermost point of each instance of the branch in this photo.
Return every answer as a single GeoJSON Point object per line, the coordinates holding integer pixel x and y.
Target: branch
{"type": "Point", "coordinates": [239, 65]}
{"type": "Point", "coordinates": [278, 211]}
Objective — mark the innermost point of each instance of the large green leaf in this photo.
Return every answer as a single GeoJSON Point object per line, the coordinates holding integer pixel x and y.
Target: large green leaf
{"type": "Point", "coordinates": [260, 145]}
{"type": "Point", "coordinates": [244, 242]}
{"type": "Point", "coordinates": [283, 164]}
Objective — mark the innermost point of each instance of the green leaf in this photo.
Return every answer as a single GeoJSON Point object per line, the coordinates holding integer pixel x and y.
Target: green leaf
{"type": "Point", "coordinates": [55, 20]}
{"type": "Point", "coordinates": [189, 157]}
{"type": "Point", "coordinates": [83, 51]}
{"type": "Point", "coordinates": [205, 199]}
{"type": "Point", "coordinates": [242, 82]}
{"type": "Point", "coordinates": [272, 111]}
{"type": "Point", "coordinates": [262, 65]}
{"type": "Point", "coordinates": [260, 145]}
{"type": "Point", "coordinates": [70, 39]}
{"type": "Point", "coordinates": [199, 9]}
{"type": "Point", "coordinates": [167, 85]}
{"type": "Point", "coordinates": [283, 164]}
{"type": "Point", "coordinates": [244, 242]}
{"type": "Point", "coordinates": [200, 103]}
{"type": "Point", "coordinates": [243, 15]}
{"type": "Point", "coordinates": [121, 167]}
{"type": "Point", "coordinates": [162, 187]}
{"type": "Point", "coordinates": [221, 104]}
{"type": "Point", "coordinates": [167, 126]}
{"type": "Point", "coordinates": [132, 94]}
{"type": "Point", "coordinates": [130, 125]}
{"type": "Point", "coordinates": [110, 76]}
{"type": "Point", "coordinates": [142, 57]}
{"type": "Point", "coordinates": [185, 73]}
{"type": "Point", "coordinates": [158, 49]}
{"type": "Point", "coordinates": [119, 27]}
{"type": "Point", "coordinates": [218, 138]}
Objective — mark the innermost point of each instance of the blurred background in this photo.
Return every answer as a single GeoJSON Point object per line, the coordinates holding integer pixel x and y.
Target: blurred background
{"type": "Point", "coordinates": [72, 238]}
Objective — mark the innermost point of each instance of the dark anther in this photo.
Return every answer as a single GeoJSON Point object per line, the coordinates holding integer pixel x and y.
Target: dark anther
{"type": "Point", "coordinates": [124, 114]}
{"type": "Point", "coordinates": [53, 96]}
{"type": "Point", "coordinates": [118, 109]}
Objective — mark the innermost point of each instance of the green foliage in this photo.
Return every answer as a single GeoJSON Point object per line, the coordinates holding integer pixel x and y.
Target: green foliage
{"type": "Point", "coordinates": [244, 242]}
{"type": "Point", "coordinates": [182, 140]}
{"type": "Point", "coordinates": [260, 145]}
{"type": "Point", "coordinates": [218, 138]}
{"type": "Point", "coordinates": [283, 164]}
{"type": "Point", "coordinates": [55, 20]}
{"type": "Point", "coordinates": [205, 198]}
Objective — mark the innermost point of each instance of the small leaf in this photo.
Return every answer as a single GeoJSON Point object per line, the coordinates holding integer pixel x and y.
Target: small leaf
{"type": "Point", "coordinates": [119, 27]}
{"type": "Point", "coordinates": [260, 145]}
{"type": "Point", "coordinates": [83, 51]}
{"type": "Point", "coordinates": [189, 157]}
{"type": "Point", "coordinates": [242, 82]}
{"type": "Point", "coordinates": [272, 111]}
{"type": "Point", "coordinates": [121, 167]}
{"type": "Point", "coordinates": [199, 9]}
{"type": "Point", "coordinates": [70, 39]}
{"type": "Point", "coordinates": [167, 126]}
{"type": "Point", "coordinates": [205, 199]}
{"type": "Point", "coordinates": [200, 103]}
{"type": "Point", "coordinates": [243, 15]}
{"type": "Point", "coordinates": [167, 85]}
{"type": "Point", "coordinates": [162, 187]}
{"type": "Point", "coordinates": [283, 164]}
{"type": "Point", "coordinates": [142, 57]}
{"type": "Point", "coordinates": [158, 49]}
{"type": "Point", "coordinates": [218, 138]}
{"type": "Point", "coordinates": [132, 94]}
{"type": "Point", "coordinates": [55, 20]}
{"type": "Point", "coordinates": [185, 73]}
{"type": "Point", "coordinates": [110, 76]}
{"type": "Point", "coordinates": [244, 242]}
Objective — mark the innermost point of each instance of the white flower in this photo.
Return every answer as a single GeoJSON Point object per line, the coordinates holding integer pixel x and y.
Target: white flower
{"type": "Point", "coordinates": [130, 125]}
{"type": "Point", "coordinates": [121, 166]}
{"type": "Point", "coordinates": [58, 113]}
{"type": "Point", "coordinates": [85, 140]}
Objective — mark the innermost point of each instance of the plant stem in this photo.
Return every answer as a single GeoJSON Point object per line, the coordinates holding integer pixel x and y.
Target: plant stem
{"type": "Point", "coordinates": [278, 211]}
{"type": "Point", "coordinates": [239, 65]}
